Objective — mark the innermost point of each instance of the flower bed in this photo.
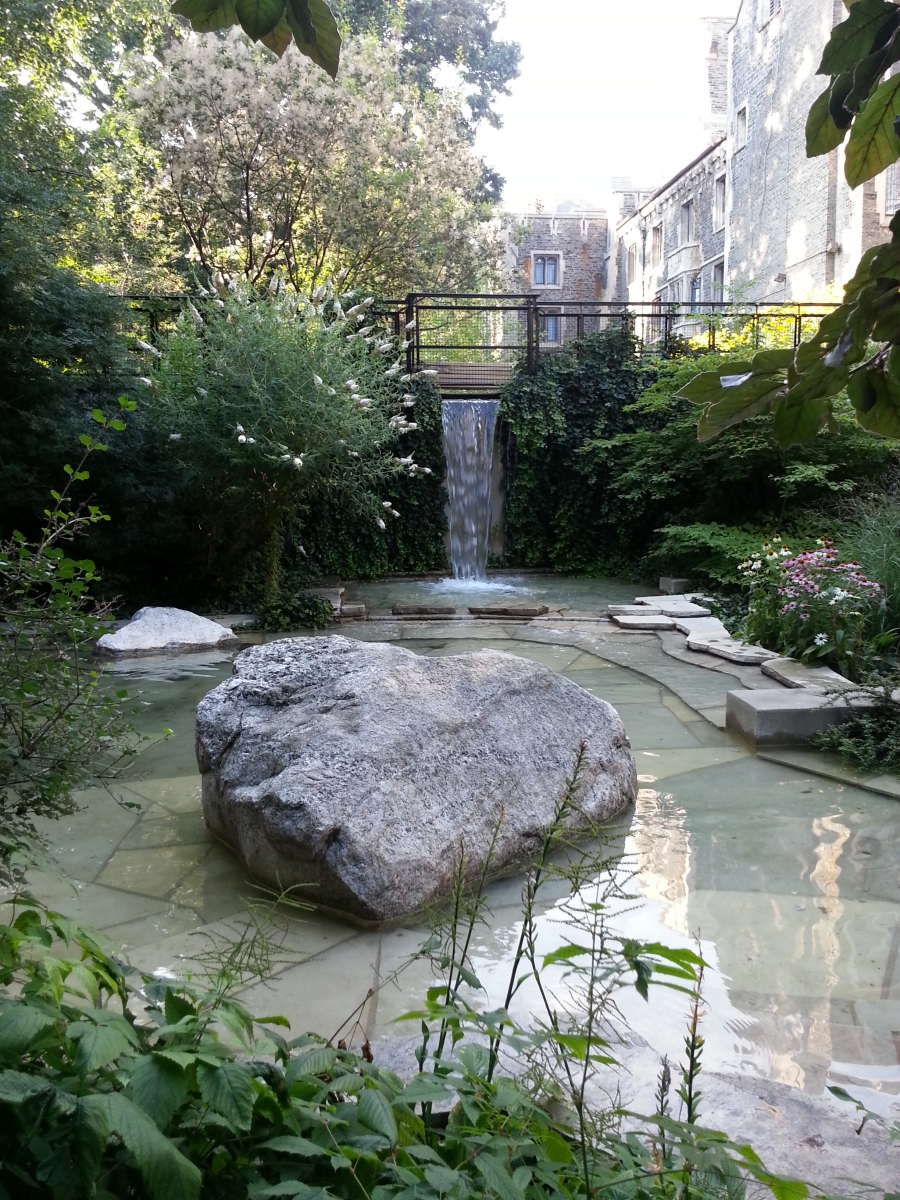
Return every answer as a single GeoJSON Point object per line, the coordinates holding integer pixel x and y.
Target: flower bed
{"type": "Point", "coordinates": [812, 606]}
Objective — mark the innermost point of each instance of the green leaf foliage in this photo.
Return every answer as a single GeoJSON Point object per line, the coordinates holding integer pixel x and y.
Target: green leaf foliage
{"type": "Point", "coordinates": [275, 23]}
{"type": "Point", "coordinates": [606, 474]}
{"type": "Point", "coordinates": [873, 145]}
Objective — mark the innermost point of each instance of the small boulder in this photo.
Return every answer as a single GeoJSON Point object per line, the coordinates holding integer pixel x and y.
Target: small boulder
{"type": "Point", "coordinates": [166, 631]}
{"type": "Point", "coordinates": [361, 768]}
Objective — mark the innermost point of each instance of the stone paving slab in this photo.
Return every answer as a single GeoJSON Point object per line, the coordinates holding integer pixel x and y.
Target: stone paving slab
{"type": "Point", "coordinates": [651, 621]}
{"type": "Point", "coordinates": [732, 650]}
{"type": "Point", "coordinates": [794, 674]}
{"type": "Point", "coordinates": [633, 610]}
{"type": "Point", "coordinates": [829, 766]}
{"type": "Point", "coordinates": [701, 627]}
{"type": "Point", "coordinates": [679, 608]}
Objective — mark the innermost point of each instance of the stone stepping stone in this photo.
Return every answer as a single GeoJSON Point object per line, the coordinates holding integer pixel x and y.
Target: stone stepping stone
{"type": "Point", "coordinates": [334, 596]}
{"type": "Point", "coordinates": [710, 628]}
{"type": "Point", "coordinates": [682, 608]}
{"type": "Point", "coordinates": [732, 650]}
{"type": "Point", "coordinates": [353, 612]}
{"type": "Point", "coordinates": [795, 674]}
{"type": "Point", "coordinates": [423, 610]}
{"type": "Point", "coordinates": [523, 611]}
{"type": "Point", "coordinates": [650, 621]}
{"type": "Point", "coordinates": [633, 610]}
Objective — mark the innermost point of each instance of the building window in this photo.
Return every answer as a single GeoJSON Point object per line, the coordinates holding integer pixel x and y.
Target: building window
{"type": "Point", "coordinates": [656, 246]}
{"type": "Point", "coordinates": [740, 128]}
{"type": "Point", "coordinates": [718, 282]}
{"type": "Point", "coordinates": [687, 222]}
{"type": "Point", "coordinates": [719, 202]}
{"type": "Point", "coordinates": [768, 9]}
{"type": "Point", "coordinates": [892, 189]}
{"type": "Point", "coordinates": [550, 326]}
{"type": "Point", "coordinates": [631, 264]}
{"type": "Point", "coordinates": [546, 270]}
{"type": "Point", "coordinates": [675, 291]}
{"type": "Point", "coordinates": [695, 290]}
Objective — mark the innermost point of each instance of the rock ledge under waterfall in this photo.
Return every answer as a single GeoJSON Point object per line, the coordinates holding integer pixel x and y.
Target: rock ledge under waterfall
{"type": "Point", "coordinates": [360, 769]}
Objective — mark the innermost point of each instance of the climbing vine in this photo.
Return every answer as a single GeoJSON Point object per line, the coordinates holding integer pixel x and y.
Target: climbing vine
{"type": "Point", "coordinates": [553, 517]}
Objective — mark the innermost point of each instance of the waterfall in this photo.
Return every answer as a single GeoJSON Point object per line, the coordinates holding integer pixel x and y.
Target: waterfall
{"type": "Point", "coordinates": [469, 449]}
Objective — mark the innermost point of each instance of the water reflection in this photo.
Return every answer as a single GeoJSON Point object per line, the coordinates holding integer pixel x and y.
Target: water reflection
{"type": "Point", "coordinates": [791, 883]}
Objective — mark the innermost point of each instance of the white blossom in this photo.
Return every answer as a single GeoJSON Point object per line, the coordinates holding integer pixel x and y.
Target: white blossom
{"type": "Point", "coordinates": [174, 437]}
{"type": "Point", "coordinates": [145, 381]}
{"type": "Point", "coordinates": [242, 438]}
{"type": "Point", "coordinates": [150, 349]}
{"type": "Point", "coordinates": [380, 523]}
{"type": "Point", "coordinates": [394, 513]}
{"type": "Point", "coordinates": [297, 461]}
{"type": "Point", "coordinates": [239, 428]}
{"type": "Point", "coordinates": [410, 324]}
{"type": "Point", "coordinates": [318, 380]}
{"type": "Point", "coordinates": [195, 316]}
{"type": "Point", "coordinates": [202, 392]}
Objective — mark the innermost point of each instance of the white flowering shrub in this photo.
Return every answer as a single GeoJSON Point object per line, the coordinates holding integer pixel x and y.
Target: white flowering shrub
{"type": "Point", "coordinates": [812, 606]}
{"type": "Point", "coordinates": [262, 406]}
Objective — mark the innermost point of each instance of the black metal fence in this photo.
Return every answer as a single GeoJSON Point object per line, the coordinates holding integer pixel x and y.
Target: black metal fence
{"type": "Point", "coordinates": [474, 343]}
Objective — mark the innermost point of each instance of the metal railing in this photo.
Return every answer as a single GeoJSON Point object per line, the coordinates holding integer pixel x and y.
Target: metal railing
{"type": "Point", "coordinates": [476, 342]}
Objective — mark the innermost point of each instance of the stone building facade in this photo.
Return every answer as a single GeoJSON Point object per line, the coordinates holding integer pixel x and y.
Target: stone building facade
{"type": "Point", "coordinates": [752, 218]}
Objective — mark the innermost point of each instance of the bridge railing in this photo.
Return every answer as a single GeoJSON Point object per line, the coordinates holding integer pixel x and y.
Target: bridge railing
{"type": "Point", "coordinates": [475, 342]}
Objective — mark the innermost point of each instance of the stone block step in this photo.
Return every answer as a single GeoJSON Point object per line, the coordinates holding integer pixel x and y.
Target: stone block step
{"type": "Point", "coordinates": [334, 595]}
{"type": "Point", "coordinates": [650, 621]}
{"type": "Point", "coordinates": [632, 610]}
{"type": "Point", "coordinates": [786, 717]}
{"type": "Point", "coordinates": [353, 612]}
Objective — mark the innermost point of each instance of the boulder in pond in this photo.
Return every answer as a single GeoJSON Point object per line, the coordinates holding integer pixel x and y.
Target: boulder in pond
{"type": "Point", "coordinates": [359, 769]}
{"type": "Point", "coordinates": [166, 631]}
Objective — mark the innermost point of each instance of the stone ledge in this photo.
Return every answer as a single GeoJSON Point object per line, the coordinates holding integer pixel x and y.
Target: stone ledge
{"type": "Point", "coordinates": [786, 717]}
{"type": "Point", "coordinates": [794, 674]}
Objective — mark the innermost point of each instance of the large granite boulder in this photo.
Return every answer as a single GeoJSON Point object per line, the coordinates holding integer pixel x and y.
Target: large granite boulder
{"type": "Point", "coordinates": [166, 631]}
{"type": "Point", "coordinates": [361, 768]}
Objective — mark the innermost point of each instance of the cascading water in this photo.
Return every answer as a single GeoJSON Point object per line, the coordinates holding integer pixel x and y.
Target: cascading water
{"type": "Point", "coordinates": [469, 449]}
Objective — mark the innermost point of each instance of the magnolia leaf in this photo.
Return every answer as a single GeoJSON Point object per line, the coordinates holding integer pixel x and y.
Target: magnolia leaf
{"type": "Point", "coordinates": [168, 1175]}
{"type": "Point", "coordinates": [214, 14]}
{"type": "Point", "coordinates": [258, 17]}
{"type": "Point", "coordinates": [867, 28]}
{"type": "Point", "coordinates": [772, 360]}
{"type": "Point", "coordinates": [873, 145]}
{"type": "Point", "coordinates": [228, 1090]}
{"type": "Point", "coordinates": [158, 1086]}
{"type": "Point", "coordinates": [306, 16]}
{"type": "Point", "coordinates": [279, 39]}
{"type": "Point", "coordinates": [797, 424]}
{"type": "Point", "coordinates": [882, 416]}
{"type": "Point", "coordinates": [784, 1189]}
{"type": "Point", "coordinates": [752, 398]}
{"type": "Point", "coordinates": [192, 9]}
{"type": "Point", "coordinates": [707, 385]}
{"type": "Point", "coordinates": [375, 1112]}
{"type": "Point", "coordinates": [822, 135]}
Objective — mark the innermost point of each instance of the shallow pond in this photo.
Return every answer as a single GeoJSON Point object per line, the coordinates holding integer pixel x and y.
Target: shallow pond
{"type": "Point", "coordinates": [790, 880]}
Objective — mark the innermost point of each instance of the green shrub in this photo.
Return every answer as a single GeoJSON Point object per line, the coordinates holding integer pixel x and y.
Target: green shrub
{"type": "Point", "coordinates": [871, 536]}
{"type": "Point", "coordinates": [869, 741]}
{"type": "Point", "coordinates": [269, 442]}
{"type": "Point", "coordinates": [61, 726]}
{"type": "Point", "coordinates": [607, 474]}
